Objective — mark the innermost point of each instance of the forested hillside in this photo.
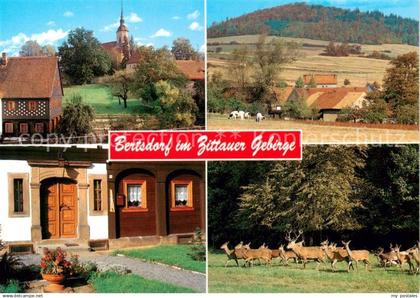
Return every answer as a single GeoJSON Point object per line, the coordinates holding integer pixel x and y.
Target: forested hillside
{"type": "Point", "coordinates": [324, 23]}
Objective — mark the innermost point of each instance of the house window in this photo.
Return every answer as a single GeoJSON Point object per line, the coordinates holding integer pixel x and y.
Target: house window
{"type": "Point", "coordinates": [135, 193]}
{"type": "Point", "coordinates": [23, 128]}
{"type": "Point", "coordinates": [97, 195]}
{"type": "Point", "coordinates": [181, 194]}
{"type": "Point", "coordinates": [98, 203]}
{"type": "Point", "coordinates": [18, 195]}
{"type": "Point", "coordinates": [10, 105]}
{"type": "Point", "coordinates": [8, 127]}
{"type": "Point", "coordinates": [39, 127]}
{"type": "Point", "coordinates": [32, 105]}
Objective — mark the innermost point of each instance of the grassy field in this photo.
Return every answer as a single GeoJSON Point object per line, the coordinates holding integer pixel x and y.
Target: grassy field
{"type": "Point", "coordinates": [114, 283]}
{"type": "Point", "coordinates": [313, 133]}
{"type": "Point", "coordinates": [293, 278]}
{"type": "Point", "coordinates": [175, 255]}
{"type": "Point", "coordinates": [101, 99]}
{"type": "Point", "coordinates": [357, 69]}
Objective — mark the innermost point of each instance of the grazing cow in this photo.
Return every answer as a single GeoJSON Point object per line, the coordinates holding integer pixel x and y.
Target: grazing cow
{"type": "Point", "coordinates": [233, 115]}
{"type": "Point", "coordinates": [241, 115]}
{"type": "Point", "coordinates": [247, 115]}
{"type": "Point", "coordinates": [259, 117]}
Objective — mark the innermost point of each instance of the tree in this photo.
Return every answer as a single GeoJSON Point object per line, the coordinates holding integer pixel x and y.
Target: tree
{"type": "Point", "coordinates": [155, 65]}
{"type": "Point", "coordinates": [269, 59]}
{"type": "Point", "coordinates": [120, 84]}
{"type": "Point", "coordinates": [346, 82]}
{"type": "Point", "coordinates": [303, 195]}
{"type": "Point", "coordinates": [183, 50]}
{"type": "Point", "coordinates": [32, 48]}
{"type": "Point", "coordinates": [240, 69]}
{"type": "Point", "coordinates": [82, 57]}
{"type": "Point", "coordinates": [401, 83]}
{"type": "Point", "coordinates": [299, 83]}
{"type": "Point", "coordinates": [312, 83]}
{"type": "Point", "coordinates": [77, 118]}
{"type": "Point", "coordinates": [177, 107]}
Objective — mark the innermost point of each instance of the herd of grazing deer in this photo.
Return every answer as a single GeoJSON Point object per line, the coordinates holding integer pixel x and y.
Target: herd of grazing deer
{"type": "Point", "coordinates": [326, 252]}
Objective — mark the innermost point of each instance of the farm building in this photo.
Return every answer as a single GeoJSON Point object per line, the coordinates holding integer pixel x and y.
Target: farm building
{"type": "Point", "coordinates": [330, 101]}
{"type": "Point", "coordinates": [31, 95]}
{"type": "Point", "coordinates": [76, 198]}
{"type": "Point", "coordinates": [321, 80]}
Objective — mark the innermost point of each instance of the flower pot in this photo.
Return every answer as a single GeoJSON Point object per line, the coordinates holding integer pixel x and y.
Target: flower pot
{"type": "Point", "coordinates": [55, 282]}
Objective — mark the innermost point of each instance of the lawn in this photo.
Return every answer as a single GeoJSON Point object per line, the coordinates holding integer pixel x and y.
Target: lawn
{"type": "Point", "coordinates": [174, 255]}
{"type": "Point", "coordinates": [114, 283]}
{"type": "Point", "coordinates": [313, 133]}
{"type": "Point", "coordinates": [101, 99]}
{"type": "Point", "coordinates": [293, 278]}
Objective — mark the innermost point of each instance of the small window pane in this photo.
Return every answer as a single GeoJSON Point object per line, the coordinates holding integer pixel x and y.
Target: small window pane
{"type": "Point", "coordinates": [134, 198]}
{"type": "Point", "coordinates": [18, 195]}
{"type": "Point", "coordinates": [97, 195]}
{"type": "Point", "coordinates": [181, 195]}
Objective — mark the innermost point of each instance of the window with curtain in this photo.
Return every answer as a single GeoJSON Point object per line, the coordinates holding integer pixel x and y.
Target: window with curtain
{"type": "Point", "coordinates": [18, 195]}
{"type": "Point", "coordinates": [181, 195]}
{"type": "Point", "coordinates": [134, 195]}
{"type": "Point", "coordinates": [97, 195]}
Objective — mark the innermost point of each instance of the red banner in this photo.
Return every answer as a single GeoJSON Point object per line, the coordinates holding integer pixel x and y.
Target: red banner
{"type": "Point", "coordinates": [205, 145]}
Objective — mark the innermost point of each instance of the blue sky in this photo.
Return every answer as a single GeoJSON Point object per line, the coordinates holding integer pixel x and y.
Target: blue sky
{"type": "Point", "coordinates": [218, 10]}
{"type": "Point", "coordinates": [151, 22]}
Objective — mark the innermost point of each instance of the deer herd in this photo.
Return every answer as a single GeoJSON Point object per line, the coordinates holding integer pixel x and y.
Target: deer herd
{"type": "Point", "coordinates": [326, 252]}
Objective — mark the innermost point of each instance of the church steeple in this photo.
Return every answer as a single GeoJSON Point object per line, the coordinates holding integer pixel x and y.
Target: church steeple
{"type": "Point", "coordinates": [122, 32]}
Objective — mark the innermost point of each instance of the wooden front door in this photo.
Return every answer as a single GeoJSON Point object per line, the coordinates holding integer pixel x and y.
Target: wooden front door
{"type": "Point", "coordinates": [60, 210]}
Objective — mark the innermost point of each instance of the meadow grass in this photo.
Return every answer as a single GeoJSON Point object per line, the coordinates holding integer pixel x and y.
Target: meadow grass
{"type": "Point", "coordinates": [111, 282]}
{"type": "Point", "coordinates": [174, 255]}
{"type": "Point", "coordinates": [357, 69]}
{"type": "Point", "coordinates": [100, 98]}
{"type": "Point", "coordinates": [293, 278]}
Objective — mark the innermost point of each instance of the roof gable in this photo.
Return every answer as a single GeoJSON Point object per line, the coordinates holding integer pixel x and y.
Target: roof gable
{"type": "Point", "coordinates": [28, 77]}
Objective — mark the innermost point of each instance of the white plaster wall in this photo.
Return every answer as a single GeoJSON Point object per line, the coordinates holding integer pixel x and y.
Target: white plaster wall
{"type": "Point", "coordinates": [98, 224]}
{"type": "Point", "coordinates": [13, 228]}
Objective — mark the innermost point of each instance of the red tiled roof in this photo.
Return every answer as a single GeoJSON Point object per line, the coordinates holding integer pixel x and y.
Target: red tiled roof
{"type": "Point", "coordinates": [108, 46]}
{"type": "Point", "coordinates": [282, 94]}
{"type": "Point", "coordinates": [339, 98]}
{"type": "Point", "coordinates": [321, 79]}
{"type": "Point", "coordinates": [192, 69]}
{"type": "Point", "coordinates": [28, 77]}
{"type": "Point", "coordinates": [135, 57]}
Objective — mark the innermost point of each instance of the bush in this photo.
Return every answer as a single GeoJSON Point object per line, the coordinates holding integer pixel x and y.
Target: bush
{"type": "Point", "coordinates": [198, 250]}
{"type": "Point", "coordinates": [8, 265]}
{"type": "Point", "coordinates": [407, 114]}
{"type": "Point", "coordinates": [296, 109]}
{"type": "Point", "coordinates": [12, 286]}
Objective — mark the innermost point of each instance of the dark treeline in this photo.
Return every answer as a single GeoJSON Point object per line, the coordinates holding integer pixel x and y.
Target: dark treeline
{"type": "Point", "coordinates": [366, 194]}
{"type": "Point", "coordinates": [324, 23]}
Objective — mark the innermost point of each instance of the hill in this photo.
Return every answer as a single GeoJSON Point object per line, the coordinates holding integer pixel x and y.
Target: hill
{"type": "Point", "coordinates": [323, 23]}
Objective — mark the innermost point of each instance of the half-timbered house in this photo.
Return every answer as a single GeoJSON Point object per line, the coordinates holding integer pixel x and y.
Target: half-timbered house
{"type": "Point", "coordinates": [31, 95]}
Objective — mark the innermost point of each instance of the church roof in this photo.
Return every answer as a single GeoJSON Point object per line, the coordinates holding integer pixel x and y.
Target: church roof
{"type": "Point", "coordinates": [28, 77]}
{"type": "Point", "coordinates": [122, 27]}
{"type": "Point", "coordinates": [194, 70]}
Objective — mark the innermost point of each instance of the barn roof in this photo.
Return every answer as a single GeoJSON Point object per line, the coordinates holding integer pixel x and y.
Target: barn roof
{"type": "Point", "coordinates": [194, 70]}
{"type": "Point", "coordinates": [321, 79]}
{"type": "Point", "coordinates": [282, 94]}
{"type": "Point", "coordinates": [339, 98]}
{"type": "Point", "coordinates": [28, 77]}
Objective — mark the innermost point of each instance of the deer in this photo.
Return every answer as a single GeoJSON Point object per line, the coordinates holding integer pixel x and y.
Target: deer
{"type": "Point", "coordinates": [230, 254]}
{"type": "Point", "coordinates": [388, 257]}
{"type": "Point", "coordinates": [305, 253]}
{"type": "Point", "coordinates": [285, 255]}
{"type": "Point", "coordinates": [414, 252]}
{"type": "Point", "coordinates": [335, 254]}
{"type": "Point", "coordinates": [257, 254]}
{"type": "Point", "coordinates": [356, 256]}
{"type": "Point", "coordinates": [404, 257]}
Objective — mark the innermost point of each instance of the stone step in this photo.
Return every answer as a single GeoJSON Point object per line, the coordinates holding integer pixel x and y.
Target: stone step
{"type": "Point", "coordinates": [73, 247]}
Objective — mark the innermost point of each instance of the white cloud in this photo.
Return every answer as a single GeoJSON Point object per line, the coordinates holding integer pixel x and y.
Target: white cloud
{"type": "Point", "coordinates": [192, 16]}
{"type": "Point", "coordinates": [162, 33]}
{"type": "Point", "coordinates": [176, 18]}
{"type": "Point", "coordinates": [110, 27]}
{"type": "Point", "coordinates": [195, 26]}
{"type": "Point", "coordinates": [13, 45]}
{"type": "Point", "coordinates": [50, 23]}
{"type": "Point", "coordinates": [134, 18]}
{"type": "Point", "coordinates": [68, 14]}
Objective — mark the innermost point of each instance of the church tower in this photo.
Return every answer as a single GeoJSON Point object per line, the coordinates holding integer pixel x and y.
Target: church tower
{"type": "Point", "coordinates": [122, 32]}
